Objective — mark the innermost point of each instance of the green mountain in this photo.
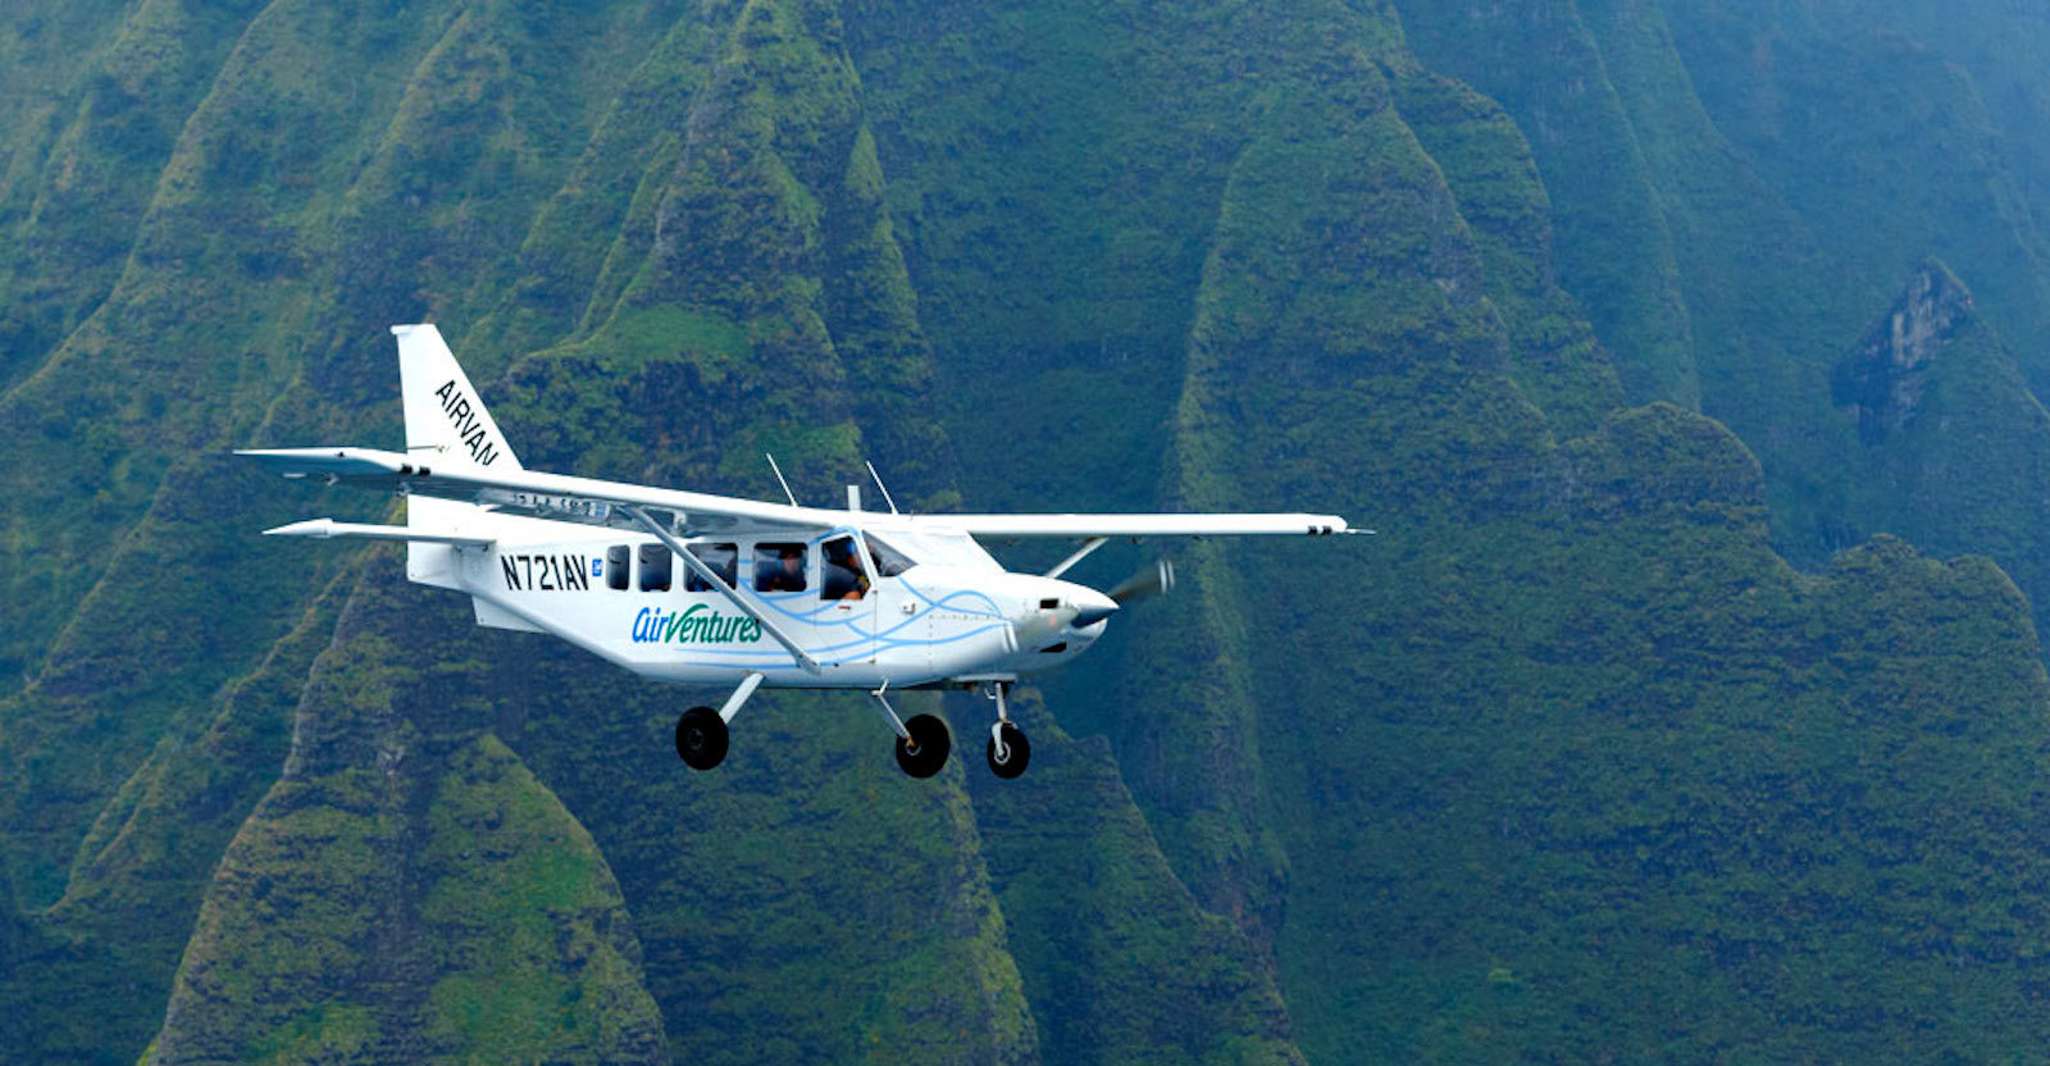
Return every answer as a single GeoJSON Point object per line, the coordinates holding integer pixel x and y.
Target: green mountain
{"type": "Point", "coordinates": [1689, 704]}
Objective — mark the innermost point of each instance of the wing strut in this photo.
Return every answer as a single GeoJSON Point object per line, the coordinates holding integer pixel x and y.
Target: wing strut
{"type": "Point", "coordinates": [1081, 553]}
{"type": "Point", "coordinates": [705, 573]}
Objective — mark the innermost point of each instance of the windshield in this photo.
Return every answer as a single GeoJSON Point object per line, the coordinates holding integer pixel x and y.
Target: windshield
{"type": "Point", "coordinates": [943, 548]}
{"type": "Point", "coordinates": [889, 562]}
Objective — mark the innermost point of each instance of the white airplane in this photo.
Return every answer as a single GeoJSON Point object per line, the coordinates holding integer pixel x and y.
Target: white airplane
{"type": "Point", "coordinates": [701, 589]}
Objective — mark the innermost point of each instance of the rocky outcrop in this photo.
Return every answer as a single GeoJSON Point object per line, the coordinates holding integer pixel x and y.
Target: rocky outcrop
{"type": "Point", "coordinates": [408, 889]}
{"type": "Point", "coordinates": [1883, 380]}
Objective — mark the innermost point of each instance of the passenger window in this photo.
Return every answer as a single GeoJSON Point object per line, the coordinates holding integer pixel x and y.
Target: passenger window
{"type": "Point", "coordinates": [615, 566]}
{"type": "Point", "coordinates": [889, 561]}
{"type": "Point", "coordinates": [655, 562]}
{"type": "Point", "coordinates": [840, 574]}
{"type": "Point", "coordinates": [779, 568]}
{"type": "Point", "coordinates": [723, 559]}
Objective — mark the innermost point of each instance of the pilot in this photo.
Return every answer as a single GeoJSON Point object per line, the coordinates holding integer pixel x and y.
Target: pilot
{"type": "Point", "coordinates": [788, 573]}
{"type": "Point", "coordinates": [850, 575]}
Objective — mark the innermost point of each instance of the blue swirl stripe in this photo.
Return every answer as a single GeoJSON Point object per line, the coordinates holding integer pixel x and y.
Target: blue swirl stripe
{"type": "Point", "coordinates": [961, 601]}
{"type": "Point", "coordinates": [756, 657]}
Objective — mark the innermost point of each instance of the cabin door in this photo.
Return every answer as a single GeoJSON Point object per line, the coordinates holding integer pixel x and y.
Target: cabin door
{"type": "Point", "coordinates": [847, 614]}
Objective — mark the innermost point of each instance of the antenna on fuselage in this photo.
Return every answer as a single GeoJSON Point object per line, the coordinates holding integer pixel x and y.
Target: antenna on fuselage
{"type": "Point", "coordinates": [778, 471]}
{"type": "Point", "coordinates": [880, 486]}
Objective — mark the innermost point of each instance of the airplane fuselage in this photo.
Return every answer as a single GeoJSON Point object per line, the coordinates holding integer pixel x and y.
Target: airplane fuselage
{"type": "Point", "coordinates": [625, 598]}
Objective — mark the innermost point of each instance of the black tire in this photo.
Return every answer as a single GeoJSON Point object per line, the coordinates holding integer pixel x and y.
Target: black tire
{"type": "Point", "coordinates": [928, 749]}
{"type": "Point", "coordinates": [1017, 752]}
{"type": "Point", "coordinates": [701, 738]}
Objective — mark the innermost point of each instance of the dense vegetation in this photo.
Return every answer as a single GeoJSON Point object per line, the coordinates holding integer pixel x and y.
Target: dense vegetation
{"type": "Point", "coordinates": [1690, 704]}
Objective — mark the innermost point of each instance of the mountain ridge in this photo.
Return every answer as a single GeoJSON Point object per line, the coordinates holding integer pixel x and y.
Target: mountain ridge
{"type": "Point", "coordinates": [1632, 693]}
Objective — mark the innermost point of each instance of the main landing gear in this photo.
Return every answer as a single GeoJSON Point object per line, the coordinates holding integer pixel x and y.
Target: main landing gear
{"type": "Point", "coordinates": [924, 747]}
{"type": "Point", "coordinates": [923, 743]}
{"type": "Point", "coordinates": [700, 738]}
{"type": "Point", "coordinates": [701, 732]}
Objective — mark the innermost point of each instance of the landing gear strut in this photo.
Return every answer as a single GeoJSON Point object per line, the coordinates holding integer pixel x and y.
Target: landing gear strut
{"type": "Point", "coordinates": [1008, 751]}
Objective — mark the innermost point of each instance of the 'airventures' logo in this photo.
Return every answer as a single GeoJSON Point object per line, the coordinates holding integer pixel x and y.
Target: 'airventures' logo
{"type": "Point", "coordinates": [469, 427]}
{"type": "Point", "coordinates": [698, 625]}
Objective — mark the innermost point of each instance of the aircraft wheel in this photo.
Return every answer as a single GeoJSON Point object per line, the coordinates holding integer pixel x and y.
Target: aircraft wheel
{"type": "Point", "coordinates": [701, 738]}
{"type": "Point", "coordinates": [1017, 752]}
{"type": "Point", "coordinates": [927, 750]}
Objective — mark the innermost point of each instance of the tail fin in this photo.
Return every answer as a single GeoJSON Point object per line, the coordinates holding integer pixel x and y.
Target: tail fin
{"type": "Point", "coordinates": [446, 424]}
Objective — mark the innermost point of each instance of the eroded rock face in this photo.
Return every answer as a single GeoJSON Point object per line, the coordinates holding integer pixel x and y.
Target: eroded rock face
{"type": "Point", "coordinates": [408, 889]}
{"type": "Point", "coordinates": [1883, 379]}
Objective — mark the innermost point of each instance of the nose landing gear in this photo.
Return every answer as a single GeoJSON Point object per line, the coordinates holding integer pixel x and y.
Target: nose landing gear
{"type": "Point", "coordinates": [1008, 750]}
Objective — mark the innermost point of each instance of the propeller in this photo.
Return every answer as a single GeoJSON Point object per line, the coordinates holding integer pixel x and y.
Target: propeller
{"type": "Point", "coordinates": [1149, 582]}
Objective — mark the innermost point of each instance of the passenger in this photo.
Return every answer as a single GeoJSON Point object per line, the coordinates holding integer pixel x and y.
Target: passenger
{"type": "Point", "coordinates": [788, 573]}
{"type": "Point", "coordinates": [848, 572]}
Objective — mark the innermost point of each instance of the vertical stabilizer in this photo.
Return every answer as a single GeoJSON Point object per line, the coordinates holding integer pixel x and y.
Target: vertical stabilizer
{"type": "Point", "coordinates": [446, 423]}
{"type": "Point", "coordinates": [446, 426]}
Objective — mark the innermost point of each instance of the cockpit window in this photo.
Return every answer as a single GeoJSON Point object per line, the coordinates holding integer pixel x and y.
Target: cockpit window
{"type": "Point", "coordinates": [655, 562]}
{"type": "Point", "coordinates": [889, 561]}
{"type": "Point", "coordinates": [723, 559]}
{"type": "Point", "coordinates": [841, 577]}
{"type": "Point", "coordinates": [779, 568]}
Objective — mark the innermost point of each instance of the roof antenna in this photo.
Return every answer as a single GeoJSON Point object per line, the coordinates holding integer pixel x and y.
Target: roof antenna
{"type": "Point", "coordinates": [879, 484]}
{"type": "Point", "coordinates": [787, 494]}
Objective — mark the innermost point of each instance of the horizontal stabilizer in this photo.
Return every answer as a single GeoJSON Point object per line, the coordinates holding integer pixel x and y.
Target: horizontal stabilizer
{"type": "Point", "coordinates": [329, 529]}
{"type": "Point", "coordinates": [328, 463]}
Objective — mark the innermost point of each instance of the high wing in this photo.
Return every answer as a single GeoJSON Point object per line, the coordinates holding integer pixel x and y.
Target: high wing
{"type": "Point", "coordinates": [1004, 526]}
{"type": "Point", "coordinates": [511, 490]}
